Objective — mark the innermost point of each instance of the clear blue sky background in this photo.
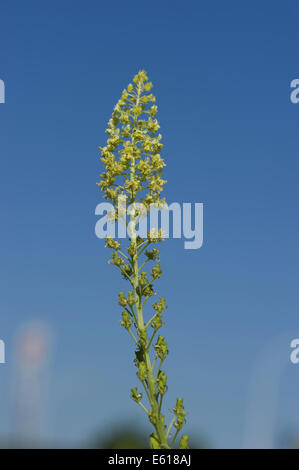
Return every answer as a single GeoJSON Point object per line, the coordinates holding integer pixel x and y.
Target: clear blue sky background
{"type": "Point", "coordinates": [221, 74]}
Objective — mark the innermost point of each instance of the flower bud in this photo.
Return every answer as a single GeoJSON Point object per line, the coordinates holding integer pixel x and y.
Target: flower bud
{"type": "Point", "coordinates": [135, 395]}
{"type": "Point", "coordinates": [153, 417]}
{"type": "Point", "coordinates": [116, 260]}
{"type": "Point", "coordinates": [153, 110]}
{"type": "Point", "coordinates": [127, 270]}
{"type": "Point", "coordinates": [180, 414]}
{"type": "Point", "coordinates": [148, 291]}
{"type": "Point", "coordinates": [157, 322]}
{"type": "Point", "coordinates": [142, 371]}
{"type": "Point", "coordinates": [155, 236]}
{"type": "Point", "coordinates": [143, 279]}
{"type": "Point", "coordinates": [131, 299]}
{"type": "Point", "coordinates": [148, 86]}
{"type": "Point", "coordinates": [180, 420]}
{"type": "Point", "coordinates": [156, 271]}
{"type": "Point", "coordinates": [110, 243]}
{"type": "Point", "coordinates": [153, 254]}
{"type": "Point", "coordinates": [162, 386]}
{"type": "Point", "coordinates": [142, 336]}
{"type": "Point", "coordinates": [121, 299]}
{"type": "Point", "coordinates": [126, 321]}
{"type": "Point", "coordinates": [160, 307]}
{"type": "Point", "coordinates": [161, 347]}
{"type": "Point", "coordinates": [184, 442]}
{"type": "Point", "coordinates": [179, 406]}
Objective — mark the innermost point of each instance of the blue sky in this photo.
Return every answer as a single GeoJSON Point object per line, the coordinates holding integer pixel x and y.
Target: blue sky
{"type": "Point", "coordinates": [221, 74]}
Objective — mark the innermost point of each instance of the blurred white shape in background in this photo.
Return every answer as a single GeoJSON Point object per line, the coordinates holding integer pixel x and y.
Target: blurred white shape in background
{"type": "Point", "coordinates": [2, 352]}
{"type": "Point", "coordinates": [266, 377]}
{"type": "Point", "coordinates": [32, 347]}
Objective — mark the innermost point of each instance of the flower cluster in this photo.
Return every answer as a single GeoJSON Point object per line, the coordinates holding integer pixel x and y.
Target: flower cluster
{"type": "Point", "coordinates": [133, 137]}
{"type": "Point", "coordinates": [133, 176]}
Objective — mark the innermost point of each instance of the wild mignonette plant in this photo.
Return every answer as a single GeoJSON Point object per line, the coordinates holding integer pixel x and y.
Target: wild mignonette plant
{"type": "Point", "coordinates": [133, 176]}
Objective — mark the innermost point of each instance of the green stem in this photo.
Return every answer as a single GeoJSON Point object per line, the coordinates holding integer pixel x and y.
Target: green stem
{"type": "Point", "coordinates": [170, 426]}
{"type": "Point", "coordinates": [144, 248]}
{"type": "Point", "coordinates": [122, 254]}
{"type": "Point", "coordinates": [153, 398]}
{"type": "Point", "coordinates": [154, 361]}
{"type": "Point", "coordinates": [126, 275]}
{"type": "Point", "coordinates": [143, 407]}
{"type": "Point", "coordinates": [149, 344]}
{"type": "Point", "coordinates": [174, 438]}
{"type": "Point", "coordinates": [158, 370]}
{"type": "Point", "coordinates": [133, 336]}
{"type": "Point", "coordinates": [160, 406]}
{"type": "Point", "coordinates": [149, 322]}
{"type": "Point", "coordinates": [131, 312]}
{"type": "Point", "coordinates": [151, 386]}
{"type": "Point", "coordinates": [145, 389]}
{"type": "Point", "coordinates": [143, 264]}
